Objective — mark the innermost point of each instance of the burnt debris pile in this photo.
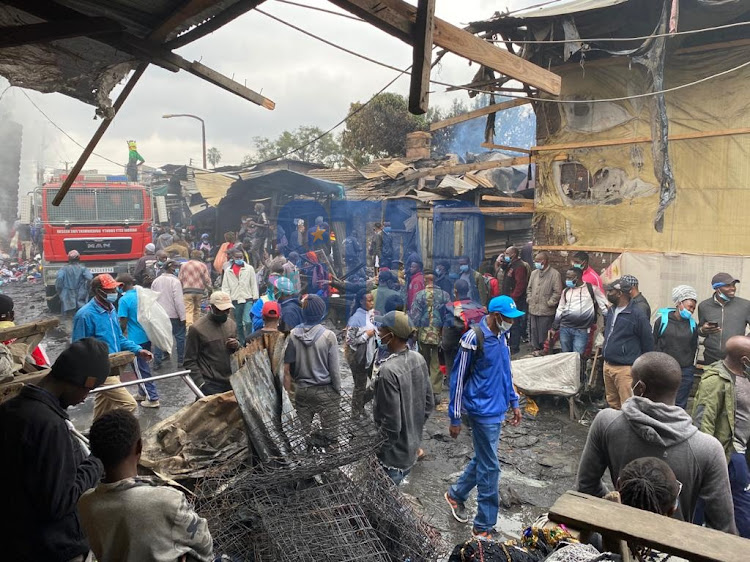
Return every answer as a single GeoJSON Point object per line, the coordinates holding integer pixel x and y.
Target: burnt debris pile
{"type": "Point", "coordinates": [314, 491]}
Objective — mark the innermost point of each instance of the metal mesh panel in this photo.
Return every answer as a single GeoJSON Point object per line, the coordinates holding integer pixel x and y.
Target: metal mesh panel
{"type": "Point", "coordinates": [97, 206]}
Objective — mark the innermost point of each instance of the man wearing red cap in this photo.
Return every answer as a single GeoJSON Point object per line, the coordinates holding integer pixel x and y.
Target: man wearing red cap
{"type": "Point", "coordinates": [98, 319]}
{"type": "Point", "coordinates": [268, 336]}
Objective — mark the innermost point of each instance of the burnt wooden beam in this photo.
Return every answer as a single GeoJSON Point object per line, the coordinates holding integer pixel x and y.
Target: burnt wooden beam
{"type": "Point", "coordinates": [216, 22]}
{"type": "Point", "coordinates": [494, 108]}
{"type": "Point", "coordinates": [16, 35]}
{"type": "Point", "coordinates": [419, 89]}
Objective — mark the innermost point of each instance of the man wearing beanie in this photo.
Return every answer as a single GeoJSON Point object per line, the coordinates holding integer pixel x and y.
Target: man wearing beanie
{"type": "Point", "coordinates": [403, 397]}
{"type": "Point", "coordinates": [72, 284]}
{"type": "Point", "coordinates": [46, 468]}
{"type": "Point", "coordinates": [145, 265]}
{"type": "Point", "coordinates": [312, 362]}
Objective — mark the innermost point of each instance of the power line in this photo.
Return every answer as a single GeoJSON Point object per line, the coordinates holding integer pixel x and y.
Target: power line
{"type": "Point", "coordinates": [63, 131]}
{"type": "Point", "coordinates": [622, 39]}
{"type": "Point", "coordinates": [355, 18]}
{"type": "Point", "coordinates": [544, 100]}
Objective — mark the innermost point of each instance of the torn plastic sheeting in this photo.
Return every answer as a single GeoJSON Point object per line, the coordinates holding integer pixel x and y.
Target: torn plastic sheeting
{"type": "Point", "coordinates": [558, 375]}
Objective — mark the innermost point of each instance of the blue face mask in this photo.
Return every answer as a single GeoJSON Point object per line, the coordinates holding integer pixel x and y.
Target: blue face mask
{"type": "Point", "coordinates": [570, 283]}
{"type": "Point", "coordinates": [578, 265]}
{"type": "Point", "coordinates": [239, 262]}
{"type": "Point", "coordinates": [538, 265]}
{"type": "Point", "coordinates": [387, 229]}
{"type": "Point", "coordinates": [112, 297]}
{"type": "Point", "coordinates": [723, 297]}
{"type": "Point", "coordinates": [685, 313]}
{"type": "Point", "coordinates": [464, 268]}
{"type": "Point", "coordinates": [506, 259]}
{"type": "Point", "coordinates": [177, 271]}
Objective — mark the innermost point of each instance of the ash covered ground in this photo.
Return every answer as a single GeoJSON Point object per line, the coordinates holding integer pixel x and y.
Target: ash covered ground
{"type": "Point", "coordinates": [538, 459]}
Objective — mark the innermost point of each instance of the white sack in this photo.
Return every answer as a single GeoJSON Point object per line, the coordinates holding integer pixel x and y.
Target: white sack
{"type": "Point", "coordinates": [154, 319]}
{"type": "Point", "coordinates": [558, 374]}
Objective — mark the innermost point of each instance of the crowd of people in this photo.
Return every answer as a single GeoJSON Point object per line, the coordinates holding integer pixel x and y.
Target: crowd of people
{"type": "Point", "coordinates": [418, 340]}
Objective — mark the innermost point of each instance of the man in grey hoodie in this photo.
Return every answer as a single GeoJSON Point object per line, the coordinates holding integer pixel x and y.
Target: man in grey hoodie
{"type": "Point", "coordinates": [650, 425]}
{"type": "Point", "coordinates": [311, 360]}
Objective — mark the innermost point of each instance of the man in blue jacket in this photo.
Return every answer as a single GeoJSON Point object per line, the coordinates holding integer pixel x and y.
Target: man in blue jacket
{"type": "Point", "coordinates": [482, 388]}
{"type": "Point", "coordinates": [627, 336]}
{"type": "Point", "coordinates": [98, 319]}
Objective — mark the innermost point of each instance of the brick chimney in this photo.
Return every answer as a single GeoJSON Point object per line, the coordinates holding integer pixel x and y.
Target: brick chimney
{"type": "Point", "coordinates": [418, 144]}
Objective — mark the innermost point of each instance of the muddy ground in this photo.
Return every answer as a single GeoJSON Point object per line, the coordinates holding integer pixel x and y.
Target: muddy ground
{"type": "Point", "coordinates": [538, 459]}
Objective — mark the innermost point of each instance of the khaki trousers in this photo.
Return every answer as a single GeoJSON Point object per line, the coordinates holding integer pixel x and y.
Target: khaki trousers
{"type": "Point", "coordinates": [618, 384]}
{"type": "Point", "coordinates": [430, 354]}
{"type": "Point", "coordinates": [192, 308]}
{"type": "Point", "coordinates": [113, 399]}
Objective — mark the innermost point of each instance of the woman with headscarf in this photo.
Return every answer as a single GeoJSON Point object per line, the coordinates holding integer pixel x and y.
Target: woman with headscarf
{"type": "Point", "coordinates": [360, 347]}
{"type": "Point", "coordinates": [676, 334]}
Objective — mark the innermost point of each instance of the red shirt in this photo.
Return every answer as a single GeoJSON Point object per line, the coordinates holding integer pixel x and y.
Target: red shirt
{"type": "Point", "coordinates": [591, 276]}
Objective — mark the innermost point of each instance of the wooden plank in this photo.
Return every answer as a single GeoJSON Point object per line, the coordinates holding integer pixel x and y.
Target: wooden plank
{"type": "Point", "coordinates": [494, 108]}
{"type": "Point", "coordinates": [463, 168]}
{"type": "Point", "coordinates": [15, 35]}
{"type": "Point", "coordinates": [667, 535]}
{"type": "Point", "coordinates": [506, 210]}
{"type": "Point", "coordinates": [219, 20]}
{"type": "Point", "coordinates": [492, 145]}
{"type": "Point", "coordinates": [103, 126]}
{"type": "Point", "coordinates": [120, 359]}
{"type": "Point", "coordinates": [396, 17]}
{"type": "Point", "coordinates": [26, 330]}
{"type": "Point", "coordinates": [419, 89]}
{"type": "Point", "coordinates": [500, 199]}
{"type": "Point", "coordinates": [208, 74]}
{"type": "Point", "coordinates": [639, 140]}
{"type": "Point", "coordinates": [713, 47]}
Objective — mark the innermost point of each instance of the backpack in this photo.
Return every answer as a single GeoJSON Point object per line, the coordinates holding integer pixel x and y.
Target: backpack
{"type": "Point", "coordinates": [466, 318]}
{"type": "Point", "coordinates": [664, 317]}
{"type": "Point", "coordinates": [493, 285]}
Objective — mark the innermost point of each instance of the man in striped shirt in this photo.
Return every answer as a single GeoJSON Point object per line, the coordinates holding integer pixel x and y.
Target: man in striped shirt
{"type": "Point", "coordinates": [482, 388]}
{"type": "Point", "coordinates": [195, 281]}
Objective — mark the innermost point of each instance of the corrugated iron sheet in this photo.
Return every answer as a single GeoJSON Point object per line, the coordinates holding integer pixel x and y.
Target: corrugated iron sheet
{"type": "Point", "coordinates": [563, 7]}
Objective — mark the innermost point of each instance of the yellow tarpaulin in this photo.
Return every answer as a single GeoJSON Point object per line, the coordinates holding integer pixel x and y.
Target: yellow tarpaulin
{"type": "Point", "coordinates": [212, 186]}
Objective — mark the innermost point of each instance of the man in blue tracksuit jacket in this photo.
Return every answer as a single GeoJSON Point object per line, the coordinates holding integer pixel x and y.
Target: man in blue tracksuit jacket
{"type": "Point", "coordinates": [482, 388]}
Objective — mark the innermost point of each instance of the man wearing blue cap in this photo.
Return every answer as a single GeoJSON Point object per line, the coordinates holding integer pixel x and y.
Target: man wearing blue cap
{"type": "Point", "coordinates": [482, 388]}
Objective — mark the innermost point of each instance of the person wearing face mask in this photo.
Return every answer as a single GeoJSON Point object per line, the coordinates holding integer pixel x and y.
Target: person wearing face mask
{"type": "Point", "coordinates": [403, 397]}
{"type": "Point", "coordinates": [210, 344]}
{"type": "Point", "coordinates": [627, 336]}
{"type": "Point", "coordinates": [482, 388]}
{"type": "Point", "coordinates": [47, 469]}
{"type": "Point", "coordinates": [172, 300]}
{"type": "Point", "coordinates": [442, 276]}
{"type": "Point", "coordinates": [580, 261]}
{"type": "Point", "coordinates": [722, 316]}
{"type": "Point", "coordinates": [514, 283]}
{"type": "Point", "coordinates": [477, 287]}
{"type": "Point", "coordinates": [98, 319]}
{"type": "Point", "coordinates": [576, 314]}
{"type": "Point", "coordinates": [722, 409]}
{"type": "Point", "coordinates": [544, 290]}
{"type": "Point", "coordinates": [650, 425]}
{"type": "Point", "coordinates": [676, 334]}
{"type": "Point", "coordinates": [240, 282]}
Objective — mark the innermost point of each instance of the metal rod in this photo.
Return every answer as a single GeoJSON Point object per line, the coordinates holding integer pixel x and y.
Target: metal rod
{"type": "Point", "coordinates": [140, 381]}
{"type": "Point", "coordinates": [192, 386]}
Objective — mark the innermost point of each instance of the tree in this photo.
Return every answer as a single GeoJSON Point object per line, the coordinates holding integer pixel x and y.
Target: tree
{"type": "Point", "coordinates": [214, 156]}
{"type": "Point", "coordinates": [443, 139]}
{"type": "Point", "coordinates": [302, 144]}
{"type": "Point", "coordinates": [379, 130]}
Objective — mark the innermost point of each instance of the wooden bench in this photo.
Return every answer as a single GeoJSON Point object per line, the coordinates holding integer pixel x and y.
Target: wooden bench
{"type": "Point", "coordinates": [620, 522]}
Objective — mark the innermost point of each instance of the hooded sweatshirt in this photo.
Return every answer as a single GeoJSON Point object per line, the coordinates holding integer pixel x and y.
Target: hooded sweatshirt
{"type": "Point", "coordinates": [313, 352]}
{"type": "Point", "coordinates": [652, 429]}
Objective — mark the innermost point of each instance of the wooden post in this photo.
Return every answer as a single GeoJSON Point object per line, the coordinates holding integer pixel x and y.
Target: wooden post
{"type": "Point", "coordinates": [419, 91]}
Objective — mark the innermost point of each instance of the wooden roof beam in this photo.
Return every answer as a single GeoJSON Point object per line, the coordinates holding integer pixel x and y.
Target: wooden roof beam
{"type": "Point", "coordinates": [219, 20]}
{"type": "Point", "coordinates": [494, 108]}
{"type": "Point", "coordinates": [398, 18]}
{"type": "Point", "coordinates": [419, 89]}
{"type": "Point", "coordinates": [16, 35]}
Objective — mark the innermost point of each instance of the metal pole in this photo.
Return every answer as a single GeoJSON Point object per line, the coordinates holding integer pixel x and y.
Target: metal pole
{"type": "Point", "coordinates": [203, 133]}
{"type": "Point", "coordinates": [192, 386]}
{"type": "Point", "coordinates": [139, 381]}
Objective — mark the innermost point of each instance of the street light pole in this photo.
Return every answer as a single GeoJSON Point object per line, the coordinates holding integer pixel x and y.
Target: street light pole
{"type": "Point", "coordinates": [203, 131]}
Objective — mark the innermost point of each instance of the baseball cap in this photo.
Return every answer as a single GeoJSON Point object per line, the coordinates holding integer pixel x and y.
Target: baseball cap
{"type": "Point", "coordinates": [108, 282]}
{"type": "Point", "coordinates": [397, 322]}
{"type": "Point", "coordinates": [721, 279]}
{"type": "Point", "coordinates": [6, 305]}
{"type": "Point", "coordinates": [73, 255]}
{"type": "Point", "coordinates": [85, 363]}
{"type": "Point", "coordinates": [271, 309]}
{"type": "Point", "coordinates": [221, 300]}
{"type": "Point", "coordinates": [505, 306]}
{"type": "Point", "coordinates": [630, 279]}
{"type": "Point", "coordinates": [620, 284]}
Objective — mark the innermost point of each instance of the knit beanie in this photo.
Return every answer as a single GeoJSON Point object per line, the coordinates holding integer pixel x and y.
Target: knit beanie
{"type": "Point", "coordinates": [85, 363]}
{"type": "Point", "coordinates": [683, 293]}
{"type": "Point", "coordinates": [313, 309]}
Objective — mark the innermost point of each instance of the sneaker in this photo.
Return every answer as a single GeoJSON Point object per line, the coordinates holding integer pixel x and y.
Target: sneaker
{"type": "Point", "coordinates": [457, 508]}
{"type": "Point", "coordinates": [488, 535]}
{"type": "Point", "coordinates": [150, 404]}
{"type": "Point", "coordinates": [140, 397]}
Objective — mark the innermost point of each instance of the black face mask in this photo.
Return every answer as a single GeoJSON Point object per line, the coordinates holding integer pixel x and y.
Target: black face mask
{"type": "Point", "coordinates": [614, 299]}
{"type": "Point", "coordinates": [219, 318]}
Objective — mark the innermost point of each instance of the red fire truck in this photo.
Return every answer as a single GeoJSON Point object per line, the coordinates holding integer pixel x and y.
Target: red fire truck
{"type": "Point", "coordinates": [106, 219]}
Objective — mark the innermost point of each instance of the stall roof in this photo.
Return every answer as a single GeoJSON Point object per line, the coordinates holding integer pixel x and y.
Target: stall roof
{"type": "Point", "coordinates": [564, 7]}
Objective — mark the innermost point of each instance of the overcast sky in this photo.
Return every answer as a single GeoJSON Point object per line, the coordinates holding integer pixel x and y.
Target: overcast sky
{"type": "Point", "coordinates": [311, 83]}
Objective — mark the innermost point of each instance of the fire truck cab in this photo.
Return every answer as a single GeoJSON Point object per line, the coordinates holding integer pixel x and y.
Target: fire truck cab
{"type": "Point", "coordinates": [107, 219]}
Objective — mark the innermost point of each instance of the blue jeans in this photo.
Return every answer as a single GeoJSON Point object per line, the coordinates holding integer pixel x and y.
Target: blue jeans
{"type": "Point", "coordinates": [144, 369]}
{"type": "Point", "coordinates": [683, 392]}
{"type": "Point", "coordinates": [739, 480]}
{"type": "Point", "coordinates": [574, 339]}
{"type": "Point", "coordinates": [397, 475]}
{"type": "Point", "coordinates": [239, 313]}
{"type": "Point", "coordinates": [178, 331]}
{"type": "Point", "coordinates": [482, 473]}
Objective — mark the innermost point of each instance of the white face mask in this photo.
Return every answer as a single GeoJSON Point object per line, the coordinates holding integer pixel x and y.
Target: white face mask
{"type": "Point", "coordinates": [505, 326]}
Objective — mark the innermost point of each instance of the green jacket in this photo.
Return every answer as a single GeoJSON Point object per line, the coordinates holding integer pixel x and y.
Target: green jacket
{"type": "Point", "coordinates": [715, 403]}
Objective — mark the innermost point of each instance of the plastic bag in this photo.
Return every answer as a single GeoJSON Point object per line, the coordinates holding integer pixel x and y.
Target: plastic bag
{"type": "Point", "coordinates": [154, 319]}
